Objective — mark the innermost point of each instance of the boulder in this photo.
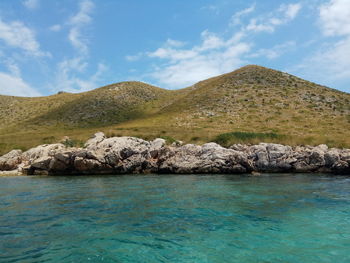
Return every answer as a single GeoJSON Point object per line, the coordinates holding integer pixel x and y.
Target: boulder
{"type": "Point", "coordinates": [90, 166]}
{"type": "Point", "coordinates": [316, 158]}
{"type": "Point", "coordinates": [331, 157]}
{"type": "Point", "coordinates": [11, 160]}
{"type": "Point", "coordinates": [209, 158]}
{"type": "Point", "coordinates": [133, 155]}
{"type": "Point", "coordinates": [341, 167]}
{"type": "Point", "coordinates": [41, 151]}
{"type": "Point", "coordinates": [156, 146]}
{"type": "Point", "coordinates": [42, 163]}
{"type": "Point", "coordinates": [259, 156]}
{"type": "Point", "coordinates": [95, 140]}
{"type": "Point", "coordinates": [345, 155]}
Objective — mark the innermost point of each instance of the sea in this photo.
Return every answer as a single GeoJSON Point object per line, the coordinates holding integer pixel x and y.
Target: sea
{"type": "Point", "coordinates": [175, 218]}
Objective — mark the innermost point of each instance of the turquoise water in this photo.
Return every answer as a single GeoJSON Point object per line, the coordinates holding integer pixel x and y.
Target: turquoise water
{"type": "Point", "coordinates": [170, 218]}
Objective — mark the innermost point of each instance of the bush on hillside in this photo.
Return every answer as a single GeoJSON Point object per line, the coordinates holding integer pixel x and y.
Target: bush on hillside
{"type": "Point", "coordinates": [227, 139]}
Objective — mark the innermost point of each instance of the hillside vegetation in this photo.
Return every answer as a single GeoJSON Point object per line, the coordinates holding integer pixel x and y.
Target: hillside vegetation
{"type": "Point", "coordinates": [242, 106]}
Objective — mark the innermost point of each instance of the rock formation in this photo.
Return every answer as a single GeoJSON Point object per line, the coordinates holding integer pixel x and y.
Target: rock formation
{"type": "Point", "coordinates": [121, 155]}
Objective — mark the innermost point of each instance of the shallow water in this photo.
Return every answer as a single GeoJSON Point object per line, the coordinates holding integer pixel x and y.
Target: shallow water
{"type": "Point", "coordinates": [171, 218]}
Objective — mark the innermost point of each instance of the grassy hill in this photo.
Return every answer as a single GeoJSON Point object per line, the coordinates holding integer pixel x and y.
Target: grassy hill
{"type": "Point", "coordinates": [251, 104]}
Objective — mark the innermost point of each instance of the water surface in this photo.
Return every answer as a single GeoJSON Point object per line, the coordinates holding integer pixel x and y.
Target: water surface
{"type": "Point", "coordinates": [171, 218]}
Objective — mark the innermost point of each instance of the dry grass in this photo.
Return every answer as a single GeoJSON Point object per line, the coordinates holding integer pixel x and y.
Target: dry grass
{"type": "Point", "coordinates": [252, 99]}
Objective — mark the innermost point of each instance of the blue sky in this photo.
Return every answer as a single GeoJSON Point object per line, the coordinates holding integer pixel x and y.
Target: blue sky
{"type": "Point", "coordinates": [66, 45]}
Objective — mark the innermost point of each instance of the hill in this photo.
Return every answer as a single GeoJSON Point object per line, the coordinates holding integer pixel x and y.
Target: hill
{"type": "Point", "coordinates": [107, 105]}
{"type": "Point", "coordinates": [250, 104]}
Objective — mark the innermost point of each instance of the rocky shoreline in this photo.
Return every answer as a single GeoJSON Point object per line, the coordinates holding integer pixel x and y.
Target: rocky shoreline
{"type": "Point", "coordinates": [124, 155]}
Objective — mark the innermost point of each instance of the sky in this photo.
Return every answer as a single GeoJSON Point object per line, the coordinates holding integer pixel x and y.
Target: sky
{"type": "Point", "coordinates": [76, 46]}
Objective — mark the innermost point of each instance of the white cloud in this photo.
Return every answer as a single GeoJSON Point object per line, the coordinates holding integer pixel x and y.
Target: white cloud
{"type": "Point", "coordinates": [189, 71]}
{"type": "Point", "coordinates": [75, 64]}
{"type": "Point", "coordinates": [336, 59]}
{"type": "Point", "coordinates": [236, 18]}
{"type": "Point", "coordinates": [174, 43]}
{"type": "Point", "coordinates": [31, 4]}
{"type": "Point", "coordinates": [166, 51]}
{"type": "Point", "coordinates": [77, 22]}
{"type": "Point", "coordinates": [55, 28]}
{"type": "Point", "coordinates": [136, 57]}
{"type": "Point", "coordinates": [70, 72]}
{"type": "Point", "coordinates": [275, 51]}
{"type": "Point", "coordinates": [181, 66]}
{"type": "Point", "coordinates": [169, 51]}
{"type": "Point", "coordinates": [173, 54]}
{"type": "Point", "coordinates": [92, 82]}
{"type": "Point", "coordinates": [290, 10]}
{"type": "Point", "coordinates": [256, 26]}
{"type": "Point", "coordinates": [68, 76]}
{"type": "Point", "coordinates": [335, 18]}
{"type": "Point", "coordinates": [283, 15]}
{"type": "Point", "coordinates": [330, 63]}
{"type": "Point", "coordinates": [12, 67]}
{"type": "Point", "coordinates": [215, 55]}
{"type": "Point", "coordinates": [210, 41]}
{"type": "Point", "coordinates": [17, 35]}
{"type": "Point", "coordinates": [15, 86]}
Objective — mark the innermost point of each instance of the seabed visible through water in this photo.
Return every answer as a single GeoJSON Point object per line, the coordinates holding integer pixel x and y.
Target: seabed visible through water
{"type": "Point", "coordinates": [175, 218]}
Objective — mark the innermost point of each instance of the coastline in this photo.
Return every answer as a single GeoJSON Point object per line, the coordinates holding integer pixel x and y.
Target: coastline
{"type": "Point", "coordinates": [10, 173]}
{"type": "Point", "coordinates": [130, 155]}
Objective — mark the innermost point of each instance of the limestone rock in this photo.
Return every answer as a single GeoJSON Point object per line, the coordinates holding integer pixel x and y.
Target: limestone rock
{"type": "Point", "coordinates": [331, 157]}
{"type": "Point", "coordinates": [119, 155]}
{"type": "Point", "coordinates": [40, 151]}
{"type": "Point", "coordinates": [11, 160]}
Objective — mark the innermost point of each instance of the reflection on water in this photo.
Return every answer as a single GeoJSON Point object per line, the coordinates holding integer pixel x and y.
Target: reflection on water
{"type": "Point", "coordinates": [171, 218]}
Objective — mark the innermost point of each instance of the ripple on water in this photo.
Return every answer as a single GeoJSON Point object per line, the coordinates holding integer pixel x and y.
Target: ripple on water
{"type": "Point", "coordinates": [168, 218]}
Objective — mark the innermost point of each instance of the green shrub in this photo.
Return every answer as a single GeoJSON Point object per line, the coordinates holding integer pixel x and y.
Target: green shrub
{"type": "Point", "coordinates": [168, 139]}
{"type": "Point", "coordinates": [227, 139]}
{"type": "Point", "coordinates": [73, 143]}
{"type": "Point", "coordinates": [49, 139]}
